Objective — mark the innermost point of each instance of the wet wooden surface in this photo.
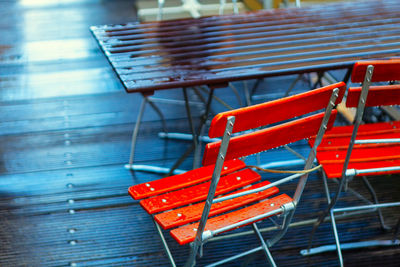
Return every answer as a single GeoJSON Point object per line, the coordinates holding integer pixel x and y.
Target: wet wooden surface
{"type": "Point", "coordinates": [219, 49]}
{"type": "Point", "coordinates": [65, 130]}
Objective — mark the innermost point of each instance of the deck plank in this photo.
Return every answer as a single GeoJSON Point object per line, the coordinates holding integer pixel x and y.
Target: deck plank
{"type": "Point", "coordinates": [65, 129]}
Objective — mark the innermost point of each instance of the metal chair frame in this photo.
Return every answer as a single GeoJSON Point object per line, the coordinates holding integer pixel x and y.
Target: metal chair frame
{"type": "Point", "coordinates": [348, 174]}
{"type": "Point", "coordinates": [223, 151]}
{"type": "Point", "coordinates": [191, 6]}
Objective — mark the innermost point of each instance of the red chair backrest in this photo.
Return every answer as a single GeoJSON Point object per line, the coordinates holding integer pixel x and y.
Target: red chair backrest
{"type": "Point", "coordinates": [383, 95]}
{"type": "Point", "coordinates": [269, 113]}
{"type": "Point", "coordinates": [384, 70]}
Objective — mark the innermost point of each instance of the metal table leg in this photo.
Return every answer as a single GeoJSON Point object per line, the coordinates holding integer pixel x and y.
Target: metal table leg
{"type": "Point", "coordinates": [140, 167]}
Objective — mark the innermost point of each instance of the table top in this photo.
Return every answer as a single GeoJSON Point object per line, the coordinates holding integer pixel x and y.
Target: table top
{"type": "Point", "coordinates": [215, 50]}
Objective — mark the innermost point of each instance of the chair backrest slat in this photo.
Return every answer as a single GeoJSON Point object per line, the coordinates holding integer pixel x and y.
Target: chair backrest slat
{"type": "Point", "coordinates": [380, 95]}
{"type": "Point", "coordinates": [275, 111]}
{"type": "Point", "coordinates": [377, 96]}
{"type": "Point", "coordinates": [262, 140]}
{"type": "Point", "coordinates": [384, 70]}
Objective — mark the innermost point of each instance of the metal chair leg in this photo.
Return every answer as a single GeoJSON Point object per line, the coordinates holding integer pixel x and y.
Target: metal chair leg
{"type": "Point", "coordinates": [396, 230]}
{"type": "Point", "coordinates": [339, 247]}
{"type": "Point", "coordinates": [328, 210]}
{"type": "Point", "coordinates": [375, 199]}
{"type": "Point", "coordinates": [323, 215]}
{"type": "Point", "coordinates": [310, 251]}
{"type": "Point", "coordinates": [337, 241]}
{"type": "Point", "coordinates": [264, 245]}
{"type": "Point", "coordinates": [171, 259]}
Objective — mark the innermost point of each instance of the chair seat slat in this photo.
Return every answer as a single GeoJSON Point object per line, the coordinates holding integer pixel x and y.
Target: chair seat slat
{"type": "Point", "coordinates": [199, 192]}
{"type": "Point", "coordinates": [189, 214]}
{"type": "Point", "coordinates": [179, 181]}
{"type": "Point", "coordinates": [187, 233]}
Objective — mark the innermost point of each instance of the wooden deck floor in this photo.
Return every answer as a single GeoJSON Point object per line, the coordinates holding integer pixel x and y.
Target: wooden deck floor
{"type": "Point", "coordinates": [65, 129]}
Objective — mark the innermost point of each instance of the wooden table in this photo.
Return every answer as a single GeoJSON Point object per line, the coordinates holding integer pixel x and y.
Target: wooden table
{"type": "Point", "coordinates": [220, 49]}
{"type": "Point", "coordinates": [214, 51]}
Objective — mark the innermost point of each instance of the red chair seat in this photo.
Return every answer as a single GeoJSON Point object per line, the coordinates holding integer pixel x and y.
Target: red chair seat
{"type": "Point", "coordinates": [179, 181]}
{"type": "Point", "coordinates": [170, 197]}
{"type": "Point", "coordinates": [332, 151]}
{"type": "Point", "coordinates": [187, 233]}
{"type": "Point", "coordinates": [199, 192]}
{"type": "Point", "coordinates": [188, 214]}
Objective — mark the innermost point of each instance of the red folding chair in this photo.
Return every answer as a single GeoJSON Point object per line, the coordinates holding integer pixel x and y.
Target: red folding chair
{"type": "Point", "coordinates": [177, 202]}
{"type": "Point", "coordinates": [376, 151]}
